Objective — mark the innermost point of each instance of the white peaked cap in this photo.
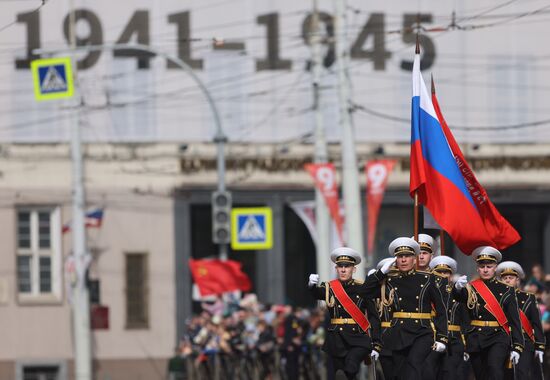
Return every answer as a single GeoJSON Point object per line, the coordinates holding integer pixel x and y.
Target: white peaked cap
{"type": "Point", "coordinates": [487, 253]}
{"type": "Point", "coordinates": [426, 241]}
{"type": "Point", "coordinates": [401, 244]}
{"type": "Point", "coordinates": [510, 267]}
{"type": "Point", "coordinates": [345, 254]}
{"type": "Point", "coordinates": [371, 271]}
{"type": "Point", "coordinates": [444, 262]}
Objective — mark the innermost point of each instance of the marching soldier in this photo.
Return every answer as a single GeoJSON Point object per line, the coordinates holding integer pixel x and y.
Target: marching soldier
{"type": "Point", "coordinates": [511, 272]}
{"type": "Point", "coordinates": [411, 294]}
{"type": "Point", "coordinates": [385, 311]}
{"type": "Point", "coordinates": [457, 317]}
{"type": "Point", "coordinates": [347, 340]}
{"type": "Point", "coordinates": [428, 249]}
{"type": "Point", "coordinates": [495, 329]}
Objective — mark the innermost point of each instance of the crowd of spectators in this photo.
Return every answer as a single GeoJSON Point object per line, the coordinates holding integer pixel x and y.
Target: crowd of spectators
{"type": "Point", "coordinates": [244, 339]}
{"type": "Point", "coordinates": [249, 340]}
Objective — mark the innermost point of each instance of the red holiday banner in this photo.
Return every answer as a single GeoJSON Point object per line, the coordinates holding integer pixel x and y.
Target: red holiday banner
{"type": "Point", "coordinates": [324, 176]}
{"type": "Point", "coordinates": [377, 173]}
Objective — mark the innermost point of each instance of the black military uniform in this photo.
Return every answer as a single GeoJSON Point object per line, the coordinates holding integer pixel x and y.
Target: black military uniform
{"type": "Point", "coordinates": [529, 365]}
{"type": "Point", "coordinates": [429, 246]}
{"type": "Point", "coordinates": [385, 313]}
{"type": "Point", "coordinates": [487, 343]}
{"type": "Point", "coordinates": [346, 343]}
{"type": "Point", "coordinates": [411, 295]}
{"type": "Point", "coordinates": [452, 363]}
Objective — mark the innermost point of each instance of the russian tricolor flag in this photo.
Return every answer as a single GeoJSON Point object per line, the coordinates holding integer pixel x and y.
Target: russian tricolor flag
{"type": "Point", "coordinates": [444, 182]}
{"type": "Point", "coordinates": [93, 219]}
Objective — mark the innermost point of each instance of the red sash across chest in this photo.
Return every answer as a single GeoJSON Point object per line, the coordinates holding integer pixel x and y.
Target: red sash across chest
{"type": "Point", "coordinates": [491, 304]}
{"type": "Point", "coordinates": [350, 306]}
{"type": "Point", "coordinates": [526, 325]}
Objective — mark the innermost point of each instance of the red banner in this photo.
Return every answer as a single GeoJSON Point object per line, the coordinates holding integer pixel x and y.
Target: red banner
{"type": "Point", "coordinates": [377, 173]}
{"type": "Point", "coordinates": [324, 176]}
{"type": "Point", "coordinates": [217, 277]}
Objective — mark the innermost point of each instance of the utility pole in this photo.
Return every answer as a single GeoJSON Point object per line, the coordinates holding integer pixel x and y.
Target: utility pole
{"type": "Point", "coordinates": [321, 211]}
{"type": "Point", "coordinates": [352, 200]}
{"type": "Point", "coordinates": [81, 299]}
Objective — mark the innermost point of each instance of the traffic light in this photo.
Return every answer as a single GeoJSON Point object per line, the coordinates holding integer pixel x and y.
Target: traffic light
{"type": "Point", "coordinates": [221, 217]}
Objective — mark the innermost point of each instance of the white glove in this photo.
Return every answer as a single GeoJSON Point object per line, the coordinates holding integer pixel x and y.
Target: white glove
{"type": "Point", "coordinates": [461, 282]}
{"type": "Point", "coordinates": [514, 357]}
{"type": "Point", "coordinates": [386, 267]}
{"type": "Point", "coordinates": [313, 280]}
{"type": "Point", "coordinates": [539, 355]}
{"type": "Point", "coordinates": [439, 347]}
{"type": "Point", "coordinates": [466, 356]}
{"type": "Point", "coordinates": [374, 355]}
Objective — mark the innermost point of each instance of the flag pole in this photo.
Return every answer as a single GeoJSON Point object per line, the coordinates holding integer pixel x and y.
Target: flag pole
{"type": "Point", "coordinates": [416, 51]}
{"type": "Point", "coordinates": [441, 232]}
{"type": "Point", "coordinates": [416, 215]}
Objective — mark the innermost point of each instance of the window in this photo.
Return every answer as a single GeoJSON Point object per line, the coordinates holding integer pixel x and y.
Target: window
{"type": "Point", "coordinates": [42, 370]}
{"type": "Point", "coordinates": [137, 291]}
{"type": "Point", "coordinates": [38, 253]}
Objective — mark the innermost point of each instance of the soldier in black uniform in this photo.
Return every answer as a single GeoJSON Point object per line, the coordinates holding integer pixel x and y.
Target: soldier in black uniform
{"type": "Point", "coordinates": [428, 250]}
{"type": "Point", "coordinates": [411, 294]}
{"type": "Point", "coordinates": [529, 366]}
{"type": "Point", "coordinates": [385, 311]}
{"type": "Point", "coordinates": [346, 342]}
{"type": "Point", "coordinates": [490, 342]}
{"type": "Point", "coordinates": [453, 361]}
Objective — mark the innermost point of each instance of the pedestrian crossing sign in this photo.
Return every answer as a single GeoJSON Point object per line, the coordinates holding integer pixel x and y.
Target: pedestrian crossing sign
{"type": "Point", "coordinates": [251, 228]}
{"type": "Point", "coordinates": [53, 78]}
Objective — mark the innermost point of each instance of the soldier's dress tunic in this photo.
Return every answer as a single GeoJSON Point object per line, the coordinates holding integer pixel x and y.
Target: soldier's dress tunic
{"type": "Point", "coordinates": [528, 366]}
{"type": "Point", "coordinates": [452, 367]}
{"type": "Point", "coordinates": [385, 313]}
{"type": "Point", "coordinates": [487, 343]}
{"type": "Point", "coordinates": [345, 341]}
{"type": "Point", "coordinates": [411, 335]}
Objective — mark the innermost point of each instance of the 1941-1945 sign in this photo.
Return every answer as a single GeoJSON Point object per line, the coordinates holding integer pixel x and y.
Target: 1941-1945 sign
{"type": "Point", "coordinates": [137, 30]}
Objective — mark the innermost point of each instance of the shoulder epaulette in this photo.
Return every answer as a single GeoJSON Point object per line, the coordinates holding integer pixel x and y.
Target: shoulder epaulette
{"type": "Point", "coordinates": [424, 271]}
{"type": "Point", "coordinates": [358, 282]}
{"type": "Point", "coordinates": [438, 274]}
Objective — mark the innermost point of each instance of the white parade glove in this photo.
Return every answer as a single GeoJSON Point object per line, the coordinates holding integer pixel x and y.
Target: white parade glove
{"type": "Point", "coordinates": [374, 355]}
{"type": "Point", "coordinates": [313, 280]}
{"type": "Point", "coordinates": [539, 355]}
{"type": "Point", "coordinates": [466, 356]}
{"type": "Point", "coordinates": [439, 347]}
{"type": "Point", "coordinates": [514, 357]}
{"type": "Point", "coordinates": [386, 267]}
{"type": "Point", "coordinates": [461, 282]}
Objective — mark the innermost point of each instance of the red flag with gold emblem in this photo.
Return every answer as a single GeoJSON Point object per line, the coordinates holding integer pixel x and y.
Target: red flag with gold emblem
{"type": "Point", "coordinates": [217, 277]}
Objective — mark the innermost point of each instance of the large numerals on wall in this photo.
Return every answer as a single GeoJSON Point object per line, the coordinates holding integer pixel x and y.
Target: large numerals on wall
{"type": "Point", "coordinates": [182, 21]}
{"type": "Point", "coordinates": [272, 61]}
{"type": "Point", "coordinates": [32, 21]}
{"type": "Point", "coordinates": [370, 43]}
{"type": "Point", "coordinates": [94, 37]}
{"type": "Point", "coordinates": [374, 27]}
{"type": "Point", "coordinates": [426, 43]}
